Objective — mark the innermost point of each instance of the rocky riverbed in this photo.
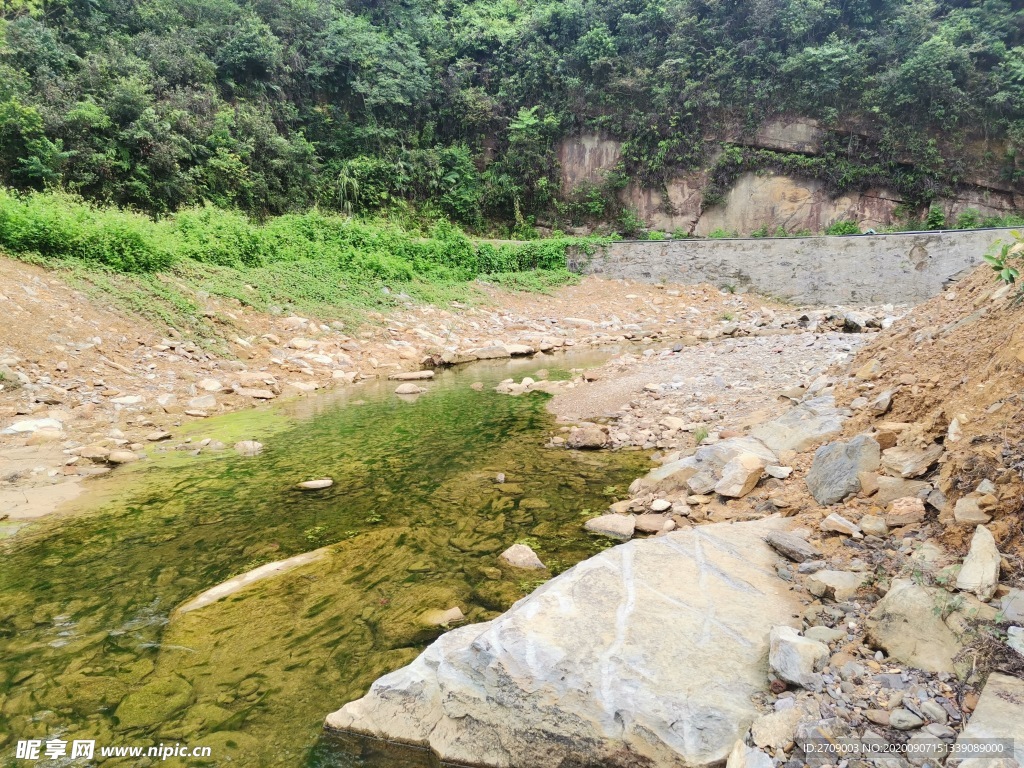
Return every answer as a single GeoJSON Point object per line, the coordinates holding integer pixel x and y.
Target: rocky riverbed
{"type": "Point", "coordinates": [861, 573]}
{"type": "Point", "coordinates": [85, 388]}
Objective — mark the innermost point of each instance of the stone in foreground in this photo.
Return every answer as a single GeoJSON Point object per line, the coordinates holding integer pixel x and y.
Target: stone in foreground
{"type": "Point", "coordinates": [796, 659]}
{"type": "Point", "coordinates": [615, 526]}
{"type": "Point", "coordinates": [908, 625]}
{"type": "Point", "coordinates": [999, 715]}
{"type": "Point", "coordinates": [837, 466]}
{"type": "Point", "coordinates": [980, 572]}
{"type": "Point", "coordinates": [648, 653]}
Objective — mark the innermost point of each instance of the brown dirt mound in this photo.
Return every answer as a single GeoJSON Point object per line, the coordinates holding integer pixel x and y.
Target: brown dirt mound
{"type": "Point", "coordinates": [958, 359]}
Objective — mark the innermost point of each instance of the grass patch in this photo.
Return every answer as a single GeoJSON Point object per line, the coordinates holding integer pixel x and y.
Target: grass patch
{"type": "Point", "coordinates": [336, 267]}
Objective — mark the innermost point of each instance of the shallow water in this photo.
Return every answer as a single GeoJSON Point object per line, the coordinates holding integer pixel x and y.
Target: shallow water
{"type": "Point", "coordinates": [89, 647]}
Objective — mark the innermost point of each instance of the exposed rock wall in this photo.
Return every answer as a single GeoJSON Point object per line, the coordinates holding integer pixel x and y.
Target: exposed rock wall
{"type": "Point", "coordinates": [866, 269]}
{"type": "Point", "coordinates": [768, 199]}
{"type": "Point", "coordinates": [587, 158]}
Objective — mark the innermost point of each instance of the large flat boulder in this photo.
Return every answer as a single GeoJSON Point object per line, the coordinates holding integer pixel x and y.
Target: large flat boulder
{"type": "Point", "coordinates": [646, 654]}
{"type": "Point", "coordinates": [837, 467]}
{"type": "Point", "coordinates": [908, 625]}
{"type": "Point", "coordinates": [802, 426]}
{"type": "Point", "coordinates": [999, 715]}
{"type": "Point", "coordinates": [706, 464]}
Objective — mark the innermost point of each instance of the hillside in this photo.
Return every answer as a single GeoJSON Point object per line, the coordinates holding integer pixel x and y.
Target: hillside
{"type": "Point", "coordinates": [459, 108]}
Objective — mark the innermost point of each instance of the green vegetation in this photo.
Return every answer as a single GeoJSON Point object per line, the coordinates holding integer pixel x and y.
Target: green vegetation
{"type": "Point", "coordinates": [1005, 256]}
{"type": "Point", "coordinates": [332, 265]}
{"type": "Point", "coordinates": [454, 110]}
{"type": "Point", "coordinates": [843, 228]}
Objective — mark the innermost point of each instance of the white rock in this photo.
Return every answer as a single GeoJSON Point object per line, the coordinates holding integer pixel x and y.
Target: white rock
{"type": "Point", "coordinates": [796, 659]}
{"type": "Point", "coordinates": [31, 425]}
{"type": "Point", "coordinates": [1015, 639]}
{"type": "Point", "coordinates": [127, 400]}
{"type": "Point", "coordinates": [315, 485]}
{"type": "Point", "coordinates": [776, 730]}
{"type": "Point", "coordinates": [743, 756]}
{"type": "Point", "coordinates": [248, 447]}
{"type": "Point", "coordinates": [999, 715]}
{"type": "Point", "coordinates": [203, 402]}
{"type": "Point", "coordinates": [209, 385]}
{"type": "Point", "coordinates": [521, 556]}
{"type": "Point", "coordinates": [740, 475]}
{"type": "Point", "coordinates": [408, 389]}
{"type": "Point", "coordinates": [839, 585]}
{"type": "Point", "coordinates": [411, 376]}
{"type": "Point", "coordinates": [439, 618]}
{"type": "Point", "coordinates": [980, 571]}
{"type": "Point", "coordinates": [122, 457]}
{"type": "Point", "coordinates": [839, 524]}
{"type": "Point", "coordinates": [616, 526]}
{"type": "Point", "coordinates": [579, 672]}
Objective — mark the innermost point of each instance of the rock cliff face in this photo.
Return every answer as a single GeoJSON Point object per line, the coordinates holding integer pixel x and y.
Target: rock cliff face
{"type": "Point", "coordinates": [647, 654]}
{"type": "Point", "coordinates": [765, 199]}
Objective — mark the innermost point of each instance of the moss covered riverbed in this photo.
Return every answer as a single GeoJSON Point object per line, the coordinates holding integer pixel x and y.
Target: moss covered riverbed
{"type": "Point", "coordinates": [90, 646]}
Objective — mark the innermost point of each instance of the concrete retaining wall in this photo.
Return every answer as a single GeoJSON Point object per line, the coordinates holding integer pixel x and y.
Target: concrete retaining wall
{"type": "Point", "coordinates": [904, 268]}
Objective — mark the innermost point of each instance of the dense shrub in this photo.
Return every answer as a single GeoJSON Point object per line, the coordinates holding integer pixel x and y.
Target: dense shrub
{"type": "Point", "coordinates": [63, 227]}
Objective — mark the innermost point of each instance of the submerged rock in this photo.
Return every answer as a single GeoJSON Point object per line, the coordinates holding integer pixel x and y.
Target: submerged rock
{"type": "Point", "coordinates": [411, 376]}
{"type": "Point", "coordinates": [616, 526]}
{"type": "Point", "coordinates": [579, 672]}
{"type": "Point", "coordinates": [409, 389]}
{"type": "Point", "coordinates": [154, 703]}
{"type": "Point", "coordinates": [521, 556]}
{"type": "Point", "coordinates": [315, 485]}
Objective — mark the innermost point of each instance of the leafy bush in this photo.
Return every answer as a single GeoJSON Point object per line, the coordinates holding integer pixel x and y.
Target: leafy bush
{"type": "Point", "coordinates": [61, 226]}
{"type": "Point", "coordinates": [1004, 257]}
{"type": "Point", "coordinates": [845, 227]}
{"type": "Point", "coordinates": [311, 245]}
{"type": "Point", "coordinates": [936, 218]}
{"type": "Point", "coordinates": [216, 236]}
{"type": "Point", "coordinates": [968, 219]}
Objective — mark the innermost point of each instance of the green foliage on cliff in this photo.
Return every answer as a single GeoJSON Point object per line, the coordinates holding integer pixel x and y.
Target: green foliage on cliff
{"type": "Point", "coordinates": [453, 109]}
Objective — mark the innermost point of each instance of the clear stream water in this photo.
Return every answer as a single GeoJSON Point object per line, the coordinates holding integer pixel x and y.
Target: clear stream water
{"type": "Point", "coordinates": [90, 647]}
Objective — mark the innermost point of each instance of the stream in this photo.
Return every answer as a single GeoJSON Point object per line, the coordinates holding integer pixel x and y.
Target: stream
{"type": "Point", "coordinates": [90, 647]}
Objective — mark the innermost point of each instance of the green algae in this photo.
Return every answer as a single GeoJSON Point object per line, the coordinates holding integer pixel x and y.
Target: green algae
{"type": "Point", "coordinates": [90, 646]}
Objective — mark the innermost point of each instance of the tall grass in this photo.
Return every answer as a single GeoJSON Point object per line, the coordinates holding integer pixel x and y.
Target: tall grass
{"type": "Point", "coordinates": [63, 227]}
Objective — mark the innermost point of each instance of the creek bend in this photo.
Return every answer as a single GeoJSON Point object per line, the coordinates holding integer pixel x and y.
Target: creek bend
{"type": "Point", "coordinates": [90, 646]}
